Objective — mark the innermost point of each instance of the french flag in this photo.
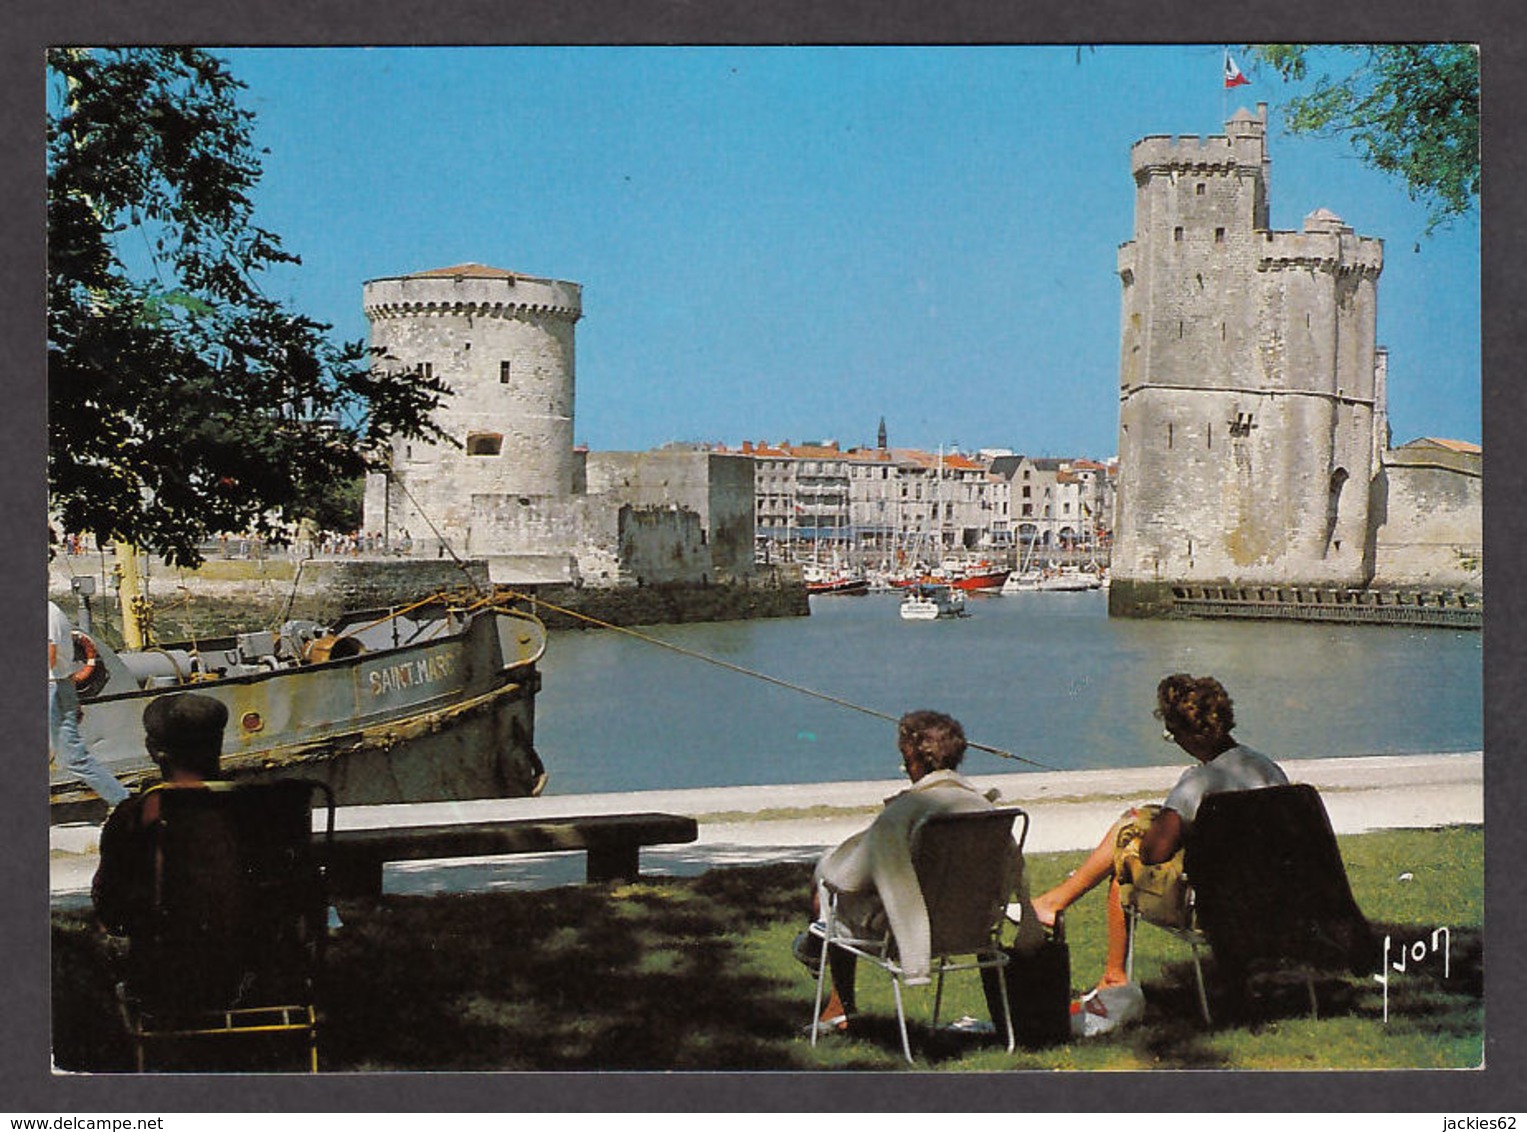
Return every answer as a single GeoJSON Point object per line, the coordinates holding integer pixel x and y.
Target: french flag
{"type": "Point", "coordinates": [1233, 76]}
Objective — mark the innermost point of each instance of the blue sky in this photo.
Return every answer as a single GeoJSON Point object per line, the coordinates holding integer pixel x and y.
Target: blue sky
{"type": "Point", "coordinates": [790, 243]}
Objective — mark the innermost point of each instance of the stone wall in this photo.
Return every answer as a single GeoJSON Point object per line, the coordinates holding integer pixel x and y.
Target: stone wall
{"type": "Point", "coordinates": [1430, 531]}
{"type": "Point", "coordinates": [596, 540]}
{"type": "Point", "coordinates": [324, 589]}
{"type": "Point", "coordinates": [717, 487]}
{"type": "Point", "coordinates": [668, 604]}
{"type": "Point", "coordinates": [663, 544]}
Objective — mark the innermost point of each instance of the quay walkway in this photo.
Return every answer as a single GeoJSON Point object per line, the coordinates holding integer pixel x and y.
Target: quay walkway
{"type": "Point", "coordinates": [750, 825]}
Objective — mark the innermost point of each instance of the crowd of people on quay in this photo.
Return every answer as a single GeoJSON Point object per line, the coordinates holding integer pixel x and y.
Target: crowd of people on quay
{"type": "Point", "coordinates": [305, 541]}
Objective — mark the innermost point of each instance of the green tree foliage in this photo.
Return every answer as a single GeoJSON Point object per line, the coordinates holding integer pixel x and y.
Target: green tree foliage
{"type": "Point", "coordinates": [1409, 109]}
{"type": "Point", "coordinates": [182, 401]}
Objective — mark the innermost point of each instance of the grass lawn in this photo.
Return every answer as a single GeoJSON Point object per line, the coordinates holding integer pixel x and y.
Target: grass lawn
{"type": "Point", "coordinates": [696, 974]}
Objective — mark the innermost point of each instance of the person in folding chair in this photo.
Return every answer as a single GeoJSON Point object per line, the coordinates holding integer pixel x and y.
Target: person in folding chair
{"type": "Point", "coordinates": [221, 900]}
{"type": "Point", "coordinates": [184, 737]}
{"type": "Point", "coordinates": [193, 968]}
{"type": "Point", "coordinates": [873, 869]}
{"type": "Point", "coordinates": [1197, 714]}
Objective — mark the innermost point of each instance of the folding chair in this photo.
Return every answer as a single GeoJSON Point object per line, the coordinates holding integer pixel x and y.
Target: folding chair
{"type": "Point", "coordinates": [964, 865]}
{"type": "Point", "coordinates": [237, 919]}
{"type": "Point", "coordinates": [1267, 887]}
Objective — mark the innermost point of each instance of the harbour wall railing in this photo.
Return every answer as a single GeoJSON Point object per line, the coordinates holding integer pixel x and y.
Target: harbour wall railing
{"type": "Point", "coordinates": [1449, 608]}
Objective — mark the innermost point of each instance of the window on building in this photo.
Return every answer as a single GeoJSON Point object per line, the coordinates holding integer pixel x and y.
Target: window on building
{"type": "Point", "coordinates": [484, 443]}
{"type": "Point", "coordinates": [427, 370]}
{"type": "Point", "coordinates": [1242, 425]}
{"type": "Point", "coordinates": [1219, 235]}
{"type": "Point", "coordinates": [503, 373]}
{"type": "Point", "coordinates": [1026, 491]}
{"type": "Point", "coordinates": [1177, 235]}
{"type": "Point", "coordinates": [1198, 190]}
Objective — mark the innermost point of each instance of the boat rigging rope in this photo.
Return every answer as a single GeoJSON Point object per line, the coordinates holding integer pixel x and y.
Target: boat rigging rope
{"type": "Point", "coordinates": [755, 674]}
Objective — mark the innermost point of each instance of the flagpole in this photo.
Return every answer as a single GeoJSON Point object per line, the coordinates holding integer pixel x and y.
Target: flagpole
{"type": "Point", "coordinates": [1224, 69]}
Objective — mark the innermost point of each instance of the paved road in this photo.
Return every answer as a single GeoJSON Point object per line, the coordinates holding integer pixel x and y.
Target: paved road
{"type": "Point", "coordinates": [759, 824]}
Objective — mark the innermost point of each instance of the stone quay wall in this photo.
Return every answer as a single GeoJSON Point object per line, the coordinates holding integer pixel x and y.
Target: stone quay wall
{"type": "Point", "coordinates": [324, 588]}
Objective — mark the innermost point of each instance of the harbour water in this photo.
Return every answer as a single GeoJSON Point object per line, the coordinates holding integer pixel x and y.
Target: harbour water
{"type": "Point", "coordinates": [1048, 676]}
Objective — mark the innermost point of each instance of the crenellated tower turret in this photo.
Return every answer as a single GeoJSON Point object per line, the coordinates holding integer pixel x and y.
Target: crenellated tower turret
{"type": "Point", "coordinates": [504, 343]}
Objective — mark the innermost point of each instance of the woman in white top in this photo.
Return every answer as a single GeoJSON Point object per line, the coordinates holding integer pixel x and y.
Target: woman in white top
{"type": "Point", "coordinates": [1197, 714]}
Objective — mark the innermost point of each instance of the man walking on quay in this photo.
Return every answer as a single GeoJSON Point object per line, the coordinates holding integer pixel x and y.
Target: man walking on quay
{"type": "Point", "coordinates": [64, 741]}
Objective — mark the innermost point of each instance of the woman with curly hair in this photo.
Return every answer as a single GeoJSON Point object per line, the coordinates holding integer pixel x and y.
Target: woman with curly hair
{"type": "Point", "coordinates": [1197, 715]}
{"type": "Point", "coordinates": [873, 872]}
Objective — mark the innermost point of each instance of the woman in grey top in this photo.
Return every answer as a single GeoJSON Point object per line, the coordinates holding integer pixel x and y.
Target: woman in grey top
{"type": "Point", "coordinates": [1196, 714]}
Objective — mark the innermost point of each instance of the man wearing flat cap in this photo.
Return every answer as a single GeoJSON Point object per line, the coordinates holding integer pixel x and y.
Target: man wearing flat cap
{"type": "Point", "coordinates": [184, 736]}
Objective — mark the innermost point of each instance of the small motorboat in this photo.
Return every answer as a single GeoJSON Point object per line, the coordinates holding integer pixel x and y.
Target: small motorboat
{"type": "Point", "coordinates": [930, 602]}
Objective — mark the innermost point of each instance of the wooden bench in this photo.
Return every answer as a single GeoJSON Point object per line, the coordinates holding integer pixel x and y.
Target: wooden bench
{"type": "Point", "coordinates": [612, 841]}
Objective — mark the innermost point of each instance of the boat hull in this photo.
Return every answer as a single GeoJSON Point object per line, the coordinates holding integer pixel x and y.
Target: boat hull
{"type": "Point", "coordinates": [846, 587]}
{"type": "Point", "coordinates": [991, 580]}
{"type": "Point", "coordinates": [445, 718]}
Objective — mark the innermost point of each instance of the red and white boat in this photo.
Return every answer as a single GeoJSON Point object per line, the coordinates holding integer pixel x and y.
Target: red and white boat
{"type": "Point", "coordinates": [972, 577]}
{"type": "Point", "coordinates": [980, 577]}
{"type": "Point", "coordinates": [821, 582]}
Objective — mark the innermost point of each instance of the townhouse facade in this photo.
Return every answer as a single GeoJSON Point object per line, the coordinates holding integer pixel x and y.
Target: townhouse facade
{"type": "Point", "coordinates": [912, 501]}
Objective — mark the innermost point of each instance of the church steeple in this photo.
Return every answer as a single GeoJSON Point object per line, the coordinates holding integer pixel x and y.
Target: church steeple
{"type": "Point", "coordinates": [880, 442]}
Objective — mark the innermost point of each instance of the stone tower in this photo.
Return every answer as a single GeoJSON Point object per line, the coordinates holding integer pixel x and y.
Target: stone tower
{"type": "Point", "coordinates": [504, 344]}
{"type": "Point", "coordinates": [1250, 413]}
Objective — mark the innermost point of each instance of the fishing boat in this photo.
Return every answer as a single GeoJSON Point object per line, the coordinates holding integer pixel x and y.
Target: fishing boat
{"type": "Point", "coordinates": [972, 577]}
{"type": "Point", "coordinates": [980, 577]}
{"type": "Point", "coordinates": [432, 702]}
{"type": "Point", "coordinates": [821, 582]}
{"type": "Point", "coordinates": [929, 602]}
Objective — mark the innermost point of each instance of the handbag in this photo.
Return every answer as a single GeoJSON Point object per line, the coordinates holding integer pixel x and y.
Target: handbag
{"type": "Point", "coordinates": [1039, 988]}
{"type": "Point", "coordinates": [1159, 892]}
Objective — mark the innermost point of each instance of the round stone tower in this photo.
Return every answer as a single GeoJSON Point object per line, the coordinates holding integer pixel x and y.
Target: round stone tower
{"type": "Point", "coordinates": [504, 344]}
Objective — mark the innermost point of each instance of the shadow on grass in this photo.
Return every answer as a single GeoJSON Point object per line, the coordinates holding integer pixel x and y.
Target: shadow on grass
{"type": "Point", "coordinates": [1428, 999]}
{"type": "Point", "coordinates": [695, 975]}
{"type": "Point", "coordinates": [644, 976]}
